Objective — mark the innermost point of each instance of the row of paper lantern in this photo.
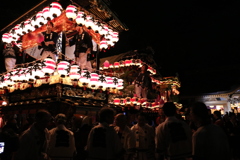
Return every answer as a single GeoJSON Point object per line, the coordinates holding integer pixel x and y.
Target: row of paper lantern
{"type": "Point", "coordinates": [55, 10]}
{"type": "Point", "coordinates": [136, 101]}
{"type": "Point", "coordinates": [126, 63]}
{"type": "Point", "coordinates": [64, 69]}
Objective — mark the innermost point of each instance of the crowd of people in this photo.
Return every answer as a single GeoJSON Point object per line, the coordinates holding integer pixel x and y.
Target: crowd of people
{"type": "Point", "coordinates": [200, 136]}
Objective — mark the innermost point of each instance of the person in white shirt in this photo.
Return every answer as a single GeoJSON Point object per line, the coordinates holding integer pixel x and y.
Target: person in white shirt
{"type": "Point", "coordinates": [103, 142]}
{"type": "Point", "coordinates": [126, 136]}
{"type": "Point", "coordinates": [61, 141]}
{"type": "Point", "coordinates": [144, 134]}
{"type": "Point", "coordinates": [173, 136]}
{"type": "Point", "coordinates": [209, 141]}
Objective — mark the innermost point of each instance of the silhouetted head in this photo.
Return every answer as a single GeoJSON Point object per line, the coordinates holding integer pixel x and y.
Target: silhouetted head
{"type": "Point", "coordinates": [42, 119]}
{"type": "Point", "coordinates": [142, 118]}
{"type": "Point", "coordinates": [60, 118]}
{"type": "Point", "coordinates": [120, 120]}
{"type": "Point", "coordinates": [169, 109]}
{"type": "Point", "coordinates": [199, 114]}
{"type": "Point", "coordinates": [106, 115]}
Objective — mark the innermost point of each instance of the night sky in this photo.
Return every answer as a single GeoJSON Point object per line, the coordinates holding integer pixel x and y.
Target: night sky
{"type": "Point", "coordinates": [196, 40]}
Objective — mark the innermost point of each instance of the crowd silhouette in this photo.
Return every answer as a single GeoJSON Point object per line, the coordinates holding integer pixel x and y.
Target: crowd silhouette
{"type": "Point", "coordinates": [116, 136]}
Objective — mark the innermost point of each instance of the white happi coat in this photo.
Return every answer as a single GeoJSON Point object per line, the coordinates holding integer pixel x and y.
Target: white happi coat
{"type": "Point", "coordinates": [128, 140]}
{"type": "Point", "coordinates": [61, 144]}
{"type": "Point", "coordinates": [103, 143]}
{"type": "Point", "coordinates": [145, 144]}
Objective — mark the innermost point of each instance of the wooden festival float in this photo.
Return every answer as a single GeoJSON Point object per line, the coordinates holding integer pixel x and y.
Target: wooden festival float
{"type": "Point", "coordinates": [61, 86]}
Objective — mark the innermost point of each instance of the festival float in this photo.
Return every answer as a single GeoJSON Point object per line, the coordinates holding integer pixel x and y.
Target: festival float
{"type": "Point", "coordinates": [62, 86]}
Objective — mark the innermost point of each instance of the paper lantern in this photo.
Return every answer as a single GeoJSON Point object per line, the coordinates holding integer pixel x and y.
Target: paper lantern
{"type": "Point", "coordinates": [47, 15]}
{"type": "Point", "coordinates": [39, 20]}
{"type": "Point", "coordinates": [116, 101]}
{"type": "Point", "coordinates": [110, 42]}
{"type": "Point", "coordinates": [96, 26]}
{"type": "Point", "coordinates": [49, 67]}
{"type": "Point", "coordinates": [133, 100]}
{"type": "Point", "coordinates": [74, 75]}
{"type": "Point", "coordinates": [8, 80]}
{"type": "Point", "coordinates": [27, 26]}
{"type": "Point", "coordinates": [55, 9]}
{"type": "Point", "coordinates": [62, 68]}
{"type": "Point", "coordinates": [123, 101]}
{"type": "Point", "coordinates": [120, 84]}
{"type": "Point", "coordinates": [85, 77]}
{"type": "Point", "coordinates": [18, 30]}
{"type": "Point", "coordinates": [106, 64]}
{"type": "Point", "coordinates": [89, 22]}
{"type": "Point", "coordinates": [6, 38]}
{"type": "Point", "coordinates": [104, 30]}
{"type": "Point", "coordinates": [101, 81]}
{"type": "Point", "coordinates": [38, 73]}
{"type": "Point", "coordinates": [71, 12]}
{"type": "Point", "coordinates": [116, 64]}
{"type": "Point", "coordinates": [128, 62]}
{"type": "Point", "coordinates": [80, 20]}
{"type": "Point", "coordinates": [14, 35]}
{"type": "Point", "coordinates": [115, 37]}
{"type": "Point", "coordinates": [103, 44]}
{"type": "Point", "coordinates": [109, 82]}
{"type": "Point", "coordinates": [93, 81]}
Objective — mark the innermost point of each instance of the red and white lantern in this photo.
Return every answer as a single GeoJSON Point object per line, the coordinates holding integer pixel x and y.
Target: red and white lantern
{"type": "Point", "coordinates": [103, 44]}
{"type": "Point", "coordinates": [93, 82]}
{"type": "Point", "coordinates": [128, 62]}
{"type": "Point", "coordinates": [74, 72]}
{"type": "Point", "coordinates": [18, 30]}
{"type": "Point", "coordinates": [49, 67]}
{"type": "Point", "coordinates": [71, 12]}
{"type": "Point", "coordinates": [115, 37]}
{"type": "Point", "coordinates": [27, 26]}
{"type": "Point", "coordinates": [116, 64]}
{"type": "Point", "coordinates": [109, 82]}
{"type": "Point", "coordinates": [62, 68]}
{"type": "Point", "coordinates": [89, 22]}
{"type": "Point", "coordinates": [80, 20]}
{"type": "Point", "coordinates": [39, 20]}
{"type": "Point", "coordinates": [84, 79]}
{"type": "Point", "coordinates": [6, 38]}
{"type": "Point", "coordinates": [120, 84]}
{"type": "Point", "coordinates": [116, 101]}
{"type": "Point", "coordinates": [55, 9]}
{"type": "Point", "coordinates": [47, 14]}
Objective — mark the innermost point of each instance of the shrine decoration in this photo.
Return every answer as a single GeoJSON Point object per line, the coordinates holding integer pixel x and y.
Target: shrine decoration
{"type": "Point", "coordinates": [102, 34]}
{"type": "Point", "coordinates": [50, 72]}
{"type": "Point", "coordinates": [125, 63]}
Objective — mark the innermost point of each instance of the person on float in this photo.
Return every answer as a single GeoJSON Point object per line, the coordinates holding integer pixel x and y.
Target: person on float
{"type": "Point", "coordinates": [143, 83]}
{"type": "Point", "coordinates": [49, 43]}
{"type": "Point", "coordinates": [10, 51]}
{"type": "Point", "coordinates": [83, 42]}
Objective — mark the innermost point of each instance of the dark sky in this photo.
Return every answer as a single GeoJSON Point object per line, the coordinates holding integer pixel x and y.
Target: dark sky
{"type": "Point", "coordinates": [198, 40]}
